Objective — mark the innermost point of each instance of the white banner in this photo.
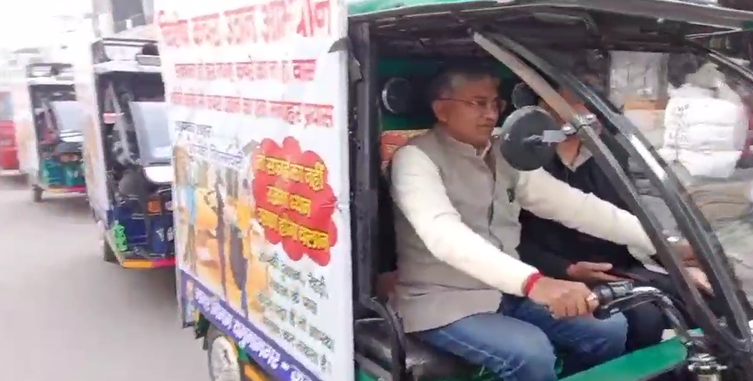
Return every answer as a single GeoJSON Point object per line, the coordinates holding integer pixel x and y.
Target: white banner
{"type": "Point", "coordinates": [259, 110]}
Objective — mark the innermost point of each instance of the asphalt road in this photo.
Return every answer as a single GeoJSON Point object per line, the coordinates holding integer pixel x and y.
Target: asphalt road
{"type": "Point", "coordinates": [66, 315]}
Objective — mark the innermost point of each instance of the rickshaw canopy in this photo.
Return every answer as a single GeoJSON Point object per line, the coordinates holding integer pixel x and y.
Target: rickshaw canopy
{"type": "Point", "coordinates": [661, 10]}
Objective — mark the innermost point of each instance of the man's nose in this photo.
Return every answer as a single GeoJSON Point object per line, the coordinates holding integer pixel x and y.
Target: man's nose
{"type": "Point", "coordinates": [491, 113]}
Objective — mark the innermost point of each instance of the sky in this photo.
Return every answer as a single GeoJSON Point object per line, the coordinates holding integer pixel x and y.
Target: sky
{"type": "Point", "coordinates": [31, 23]}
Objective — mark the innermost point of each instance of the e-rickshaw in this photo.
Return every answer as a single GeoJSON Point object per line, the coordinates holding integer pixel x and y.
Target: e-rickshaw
{"type": "Point", "coordinates": [53, 140]}
{"type": "Point", "coordinates": [648, 89]}
{"type": "Point", "coordinates": [128, 151]}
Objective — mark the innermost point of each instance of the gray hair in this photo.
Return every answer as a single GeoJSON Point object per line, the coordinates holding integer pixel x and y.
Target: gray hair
{"type": "Point", "coordinates": [449, 79]}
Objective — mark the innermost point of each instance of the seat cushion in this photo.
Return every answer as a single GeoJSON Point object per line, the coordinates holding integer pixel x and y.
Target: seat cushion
{"type": "Point", "coordinates": [372, 340]}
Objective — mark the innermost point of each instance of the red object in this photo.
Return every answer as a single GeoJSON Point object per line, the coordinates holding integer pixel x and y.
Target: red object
{"type": "Point", "coordinates": [530, 282]}
{"type": "Point", "coordinates": [749, 141]}
{"type": "Point", "coordinates": [74, 189]}
{"type": "Point", "coordinates": [295, 207]}
{"type": "Point", "coordinates": [8, 149]}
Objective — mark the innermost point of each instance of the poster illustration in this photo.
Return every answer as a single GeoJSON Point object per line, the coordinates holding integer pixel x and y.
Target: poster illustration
{"type": "Point", "coordinates": [258, 109]}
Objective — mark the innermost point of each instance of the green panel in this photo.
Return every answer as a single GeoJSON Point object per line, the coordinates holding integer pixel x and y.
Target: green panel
{"type": "Point", "coordinates": [407, 68]}
{"type": "Point", "coordinates": [361, 375]}
{"type": "Point", "coordinates": [369, 6]}
{"type": "Point", "coordinates": [363, 7]}
{"type": "Point", "coordinates": [638, 366]}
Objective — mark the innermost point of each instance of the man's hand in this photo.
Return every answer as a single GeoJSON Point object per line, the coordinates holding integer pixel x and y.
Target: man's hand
{"type": "Point", "coordinates": [591, 271]}
{"type": "Point", "coordinates": [563, 298]}
{"type": "Point", "coordinates": [687, 255]}
{"type": "Point", "coordinates": [700, 279]}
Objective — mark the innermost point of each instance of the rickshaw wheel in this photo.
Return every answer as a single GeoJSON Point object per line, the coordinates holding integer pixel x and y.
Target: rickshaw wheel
{"type": "Point", "coordinates": [36, 193]}
{"type": "Point", "coordinates": [222, 357]}
{"type": "Point", "coordinates": [107, 253]}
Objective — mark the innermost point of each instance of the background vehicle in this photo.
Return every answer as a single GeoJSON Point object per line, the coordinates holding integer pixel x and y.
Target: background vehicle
{"type": "Point", "coordinates": [393, 47]}
{"type": "Point", "coordinates": [128, 152]}
{"type": "Point", "coordinates": [46, 114]}
{"type": "Point", "coordinates": [8, 148]}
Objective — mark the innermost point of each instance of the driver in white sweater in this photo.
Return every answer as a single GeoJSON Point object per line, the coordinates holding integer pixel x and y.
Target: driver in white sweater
{"type": "Point", "coordinates": [461, 286]}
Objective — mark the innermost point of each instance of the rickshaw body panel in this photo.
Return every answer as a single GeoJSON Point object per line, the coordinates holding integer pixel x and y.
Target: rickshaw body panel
{"type": "Point", "coordinates": [8, 149]}
{"type": "Point", "coordinates": [125, 233]}
{"type": "Point", "coordinates": [122, 227]}
{"type": "Point", "coordinates": [26, 139]}
{"type": "Point", "coordinates": [229, 263]}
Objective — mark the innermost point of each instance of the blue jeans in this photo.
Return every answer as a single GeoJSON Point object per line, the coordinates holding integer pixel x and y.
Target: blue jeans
{"type": "Point", "coordinates": [517, 342]}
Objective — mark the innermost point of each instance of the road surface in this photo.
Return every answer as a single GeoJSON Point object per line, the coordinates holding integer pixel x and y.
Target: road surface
{"type": "Point", "coordinates": [68, 316]}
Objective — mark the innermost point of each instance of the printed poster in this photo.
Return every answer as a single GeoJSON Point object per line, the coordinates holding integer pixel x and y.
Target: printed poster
{"type": "Point", "coordinates": [259, 124]}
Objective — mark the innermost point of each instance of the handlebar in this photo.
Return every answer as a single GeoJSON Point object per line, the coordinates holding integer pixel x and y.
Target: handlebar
{"type": "Point", "coordinates": [615, 297]}
{"type": "Point", "coordinates": [609, 292]}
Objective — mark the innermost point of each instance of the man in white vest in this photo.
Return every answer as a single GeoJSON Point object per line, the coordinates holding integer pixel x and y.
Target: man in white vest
{"type": "Point", "coordinates": [461, 286]}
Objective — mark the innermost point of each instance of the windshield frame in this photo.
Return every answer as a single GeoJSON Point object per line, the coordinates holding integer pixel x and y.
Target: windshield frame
{"type": "Point", "coordinates": [145, 137]}
{"type": "Point", "coordinates": [57, 112]}
{"type": "Point", "coordinates": [689, 219]}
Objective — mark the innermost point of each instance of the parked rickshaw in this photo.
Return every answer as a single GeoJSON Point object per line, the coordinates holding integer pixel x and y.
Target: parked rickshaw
{"type": "Point", "coordinates": [629, 61]}
{"type": "Point", "coordinates": [128, 151]}
{"type": "Point", "coordinates": [48, 122]}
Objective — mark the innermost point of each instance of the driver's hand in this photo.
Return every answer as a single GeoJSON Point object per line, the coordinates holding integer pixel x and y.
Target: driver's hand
{"type": "Point", "coordinates": [687, 255]}
{"type": "Point", "coordinates": [700, 279]}
{"type": "Point", "coordinates": [563, 298]}
{"type": "Point", "coordinates": [591, 272]}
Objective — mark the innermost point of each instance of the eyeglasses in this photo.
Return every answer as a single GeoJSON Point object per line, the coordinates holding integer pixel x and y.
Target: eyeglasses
{"type": "Point", "coordinates": [496, 104]}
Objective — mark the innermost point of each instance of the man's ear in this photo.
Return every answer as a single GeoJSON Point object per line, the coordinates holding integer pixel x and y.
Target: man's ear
{"type": "Point", "coordinates": [440, 110]}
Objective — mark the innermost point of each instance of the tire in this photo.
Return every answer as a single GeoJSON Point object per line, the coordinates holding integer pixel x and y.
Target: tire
{"type": "Point", "coordinates": [36, 193]}
{"type": "Point", "coordinates": [108, 255]}
{"type": "Point", "coordinates": [222, 357]}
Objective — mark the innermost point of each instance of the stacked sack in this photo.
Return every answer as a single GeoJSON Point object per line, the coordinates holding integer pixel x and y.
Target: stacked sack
{"type": "Point", "coordinates": [705, 125]}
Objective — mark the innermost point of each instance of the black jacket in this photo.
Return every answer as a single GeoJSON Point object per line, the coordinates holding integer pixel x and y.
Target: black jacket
{"type": "Point", "coordinates": [552, 247]}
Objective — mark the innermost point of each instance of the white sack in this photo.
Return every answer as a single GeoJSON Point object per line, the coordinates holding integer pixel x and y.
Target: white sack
{"type": "Point", "coordinates": [716, 164]}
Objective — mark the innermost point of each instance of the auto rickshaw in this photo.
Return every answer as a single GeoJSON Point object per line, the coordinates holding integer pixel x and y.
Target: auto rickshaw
{"type": "Point", "coordinates": [128, 151]}
{"type": "Point", "coordinates": [647, 87]}
{"type": "Point", "coordinates": [52, 139]}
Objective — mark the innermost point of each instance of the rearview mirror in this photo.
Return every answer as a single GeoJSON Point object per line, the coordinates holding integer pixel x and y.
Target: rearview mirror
{"type": "Point", "coordinates": [529, 137]}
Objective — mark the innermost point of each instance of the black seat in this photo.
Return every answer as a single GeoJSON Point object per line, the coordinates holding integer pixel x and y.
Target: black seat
{"type": "Point", "coordinates": [372, 335]}
{"type": "Point", "coordinates": [422, 362]}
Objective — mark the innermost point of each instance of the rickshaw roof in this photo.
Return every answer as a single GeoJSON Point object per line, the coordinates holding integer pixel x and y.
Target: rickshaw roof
{"type": "Point", "coordinates": [674, 10]}
{"type": "Point", "coordinates": [49, 73]}
{"type": "Point", "coordinates": [123, 55]}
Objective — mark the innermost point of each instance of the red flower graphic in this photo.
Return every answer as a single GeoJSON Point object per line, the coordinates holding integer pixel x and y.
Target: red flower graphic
{"type": "Point", "coordinates": [295, 203]}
